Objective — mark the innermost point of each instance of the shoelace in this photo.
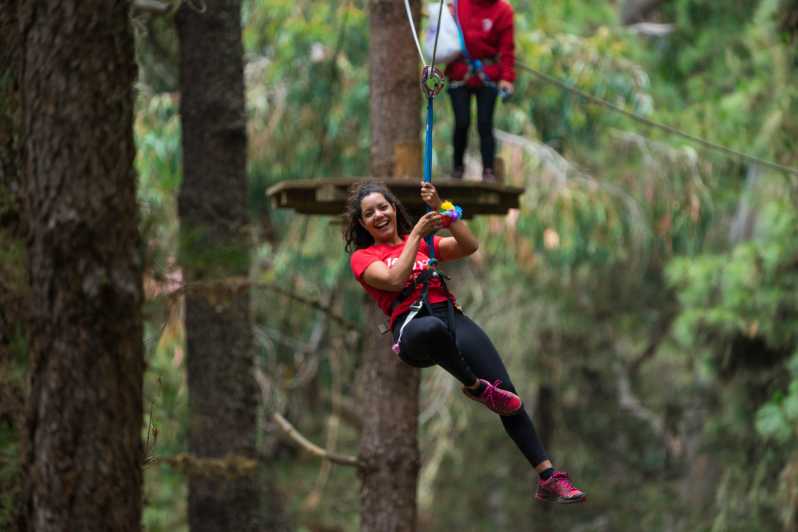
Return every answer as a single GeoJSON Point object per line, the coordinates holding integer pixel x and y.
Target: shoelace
{"type": "Point", "coordinates": [493, 395]}
{"type": "Point", "coordinates": [563, 480]}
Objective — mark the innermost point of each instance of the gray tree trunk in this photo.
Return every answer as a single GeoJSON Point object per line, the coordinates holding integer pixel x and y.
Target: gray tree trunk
{"type": "Point", "coordinates": [84, 250]}
{"type": "Point", "coordinates": [212, 208]}
{"type": "Point", "coordinates": [389, 441]}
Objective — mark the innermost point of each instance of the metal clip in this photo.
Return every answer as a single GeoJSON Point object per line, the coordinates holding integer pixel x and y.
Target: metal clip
{"type": "Point", "coordinates": [432, 81]}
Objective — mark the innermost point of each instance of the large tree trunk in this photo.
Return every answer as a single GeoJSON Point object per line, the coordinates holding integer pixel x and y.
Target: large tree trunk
{"type": "Point", "coordinates": [395, 93]}
{"type": "Point", "coordinates": [389, 442]}
{"type": "Point", "coordinates": [13, 274]}
{"type": "Point", "coordinates": [215, 246]}
{"type": "Point", "coordinates": [86, 352]}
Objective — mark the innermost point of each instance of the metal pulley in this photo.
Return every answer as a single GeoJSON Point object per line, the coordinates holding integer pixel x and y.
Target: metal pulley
{"type": "Point", "coordinates": [432, 81]}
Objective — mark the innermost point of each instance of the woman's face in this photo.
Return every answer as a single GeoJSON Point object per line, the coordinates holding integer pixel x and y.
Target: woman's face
{"type": "Point", "coordinates": [378, 217]}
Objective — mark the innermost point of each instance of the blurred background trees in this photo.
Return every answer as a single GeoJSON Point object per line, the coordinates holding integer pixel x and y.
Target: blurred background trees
{"type": "Point", "coordinates": [644, 295]}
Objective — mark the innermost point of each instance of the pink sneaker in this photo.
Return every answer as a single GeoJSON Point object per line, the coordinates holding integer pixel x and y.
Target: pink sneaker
{"type": "Point", "coordinates": [558, 488]}
{"type": "Point", "coordinates": [500, 401]}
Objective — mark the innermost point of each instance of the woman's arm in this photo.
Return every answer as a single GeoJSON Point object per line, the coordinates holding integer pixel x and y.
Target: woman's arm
{"type": "Point", "coordinates": [462, 242]}
{"type": "Point", "coordinates": [393, 279]}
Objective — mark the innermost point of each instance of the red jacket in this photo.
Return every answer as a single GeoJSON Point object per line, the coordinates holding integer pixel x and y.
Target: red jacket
{"type": "Point", "coordinates": [487, 27]}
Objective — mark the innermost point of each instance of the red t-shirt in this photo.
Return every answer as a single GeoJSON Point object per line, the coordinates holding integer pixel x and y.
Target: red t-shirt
{"type": "Point", "coordinates": [389, 254]}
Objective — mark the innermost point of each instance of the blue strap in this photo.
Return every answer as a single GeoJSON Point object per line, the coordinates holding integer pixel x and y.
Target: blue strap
{"type": "Point", "coordinates": [428, 170]}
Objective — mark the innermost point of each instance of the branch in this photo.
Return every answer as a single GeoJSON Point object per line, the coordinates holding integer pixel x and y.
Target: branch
{"type": "Point", "coordinates": [230, 466]}
{"type": "Point", "coordinates": [652, 29]}
{"type": "Point", "coordinates": [151, 6]}
{"type": "Point", "coordinates": [346, 408]}
{"type": "Point", "coordinates": [628, 401]}
{"type": "Point", "coordinates": [311, 447]}
{"type": "Point", "coordinates": [662, 331]}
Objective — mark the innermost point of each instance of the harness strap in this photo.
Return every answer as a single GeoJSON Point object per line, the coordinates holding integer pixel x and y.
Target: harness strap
{"type": "Point", "coordinates": [414, 310]}
{"type": "Point", "coordinates": [472, 71]}
{"type": "Point", "coordinates": [423, 303]}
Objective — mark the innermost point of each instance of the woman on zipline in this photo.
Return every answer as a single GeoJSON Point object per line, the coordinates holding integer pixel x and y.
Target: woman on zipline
{"type": "Point", "coordinates": [391, 259]}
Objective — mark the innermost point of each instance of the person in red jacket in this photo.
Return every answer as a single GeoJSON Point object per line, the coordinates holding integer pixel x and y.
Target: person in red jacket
{"type": "Point", "coordinates": [486, 68]}
{"type": "Point", "coordinates": [390, 258]}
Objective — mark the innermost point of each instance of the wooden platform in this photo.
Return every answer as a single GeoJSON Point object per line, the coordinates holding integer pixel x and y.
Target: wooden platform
{"type": "Point", "coordinates": [328, 196]}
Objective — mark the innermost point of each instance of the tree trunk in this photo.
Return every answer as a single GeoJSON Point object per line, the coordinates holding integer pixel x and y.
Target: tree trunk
{"type": "Point", "coordinates": [389, 441]}
{"type": "Point", "coordinates": [13, 278]}
{"type": "Point", "coordinates": [213, 226]}
{"type": "Point", "coordinates": [395, 93]}
{"type": "Point", "coordinates": [86, 352]}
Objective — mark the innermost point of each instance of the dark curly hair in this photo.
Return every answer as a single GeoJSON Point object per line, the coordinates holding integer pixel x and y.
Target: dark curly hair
{"type": "Point", "coordinates": [355, 235]}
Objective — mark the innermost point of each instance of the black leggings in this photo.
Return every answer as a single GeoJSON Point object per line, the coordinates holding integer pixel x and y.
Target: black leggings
{"type": "Point", "coordinates": [426, 341]}
{"type": "Point", "coordinates": [461, 105]}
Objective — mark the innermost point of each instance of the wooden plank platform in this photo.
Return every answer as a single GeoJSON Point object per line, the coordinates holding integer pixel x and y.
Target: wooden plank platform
{"type": "Point", "coordinates": [328, 196]}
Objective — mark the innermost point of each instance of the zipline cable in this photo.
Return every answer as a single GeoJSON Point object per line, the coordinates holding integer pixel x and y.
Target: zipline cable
{"type": "Point", "coordinates": [648, 122]}
{"type": "Point", "coordinates": [590, 98]}
{"type": "Point", "coordinates": [437, 33]}
{"type": "Point", "coordinates": [413, 30]}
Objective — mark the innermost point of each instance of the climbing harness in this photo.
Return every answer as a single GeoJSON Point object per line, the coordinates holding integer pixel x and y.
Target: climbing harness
{"type": "Point", "coordinates": [422, 303]}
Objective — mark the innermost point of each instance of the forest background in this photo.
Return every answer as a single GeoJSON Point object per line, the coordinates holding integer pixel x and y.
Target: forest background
{"type": "Point", "coordinates": [644, 296]}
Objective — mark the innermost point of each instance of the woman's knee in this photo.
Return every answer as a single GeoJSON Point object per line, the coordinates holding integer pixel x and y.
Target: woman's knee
{"type": "Point", "coordinates": [420, 337]}
{"type": "Point", "coordinates": [462, 123]}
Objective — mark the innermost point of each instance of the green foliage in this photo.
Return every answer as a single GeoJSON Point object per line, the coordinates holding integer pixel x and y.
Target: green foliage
{"type": "Point", "coordinates": [619, 264]}
{"type": "Point", "coordinates": [750, 291]}
{"type": "Point", "coordinates": [778, 418]}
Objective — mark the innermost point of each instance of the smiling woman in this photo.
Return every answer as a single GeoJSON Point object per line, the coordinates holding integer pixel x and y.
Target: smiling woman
{"type": "Point", "coordinates": [390, 258]}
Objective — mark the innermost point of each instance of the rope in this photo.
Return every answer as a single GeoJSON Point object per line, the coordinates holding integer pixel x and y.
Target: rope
{"type": "Point", "coordinates": [430, 111]}
{"type": "Point", "coordinates": [437, 33]}
{"type": "Point", "coordinates": [669, 129]}
{"type": "Point", "coordinates": [428, 169]}
{"type": "Point", "coordinates": [413, 29]}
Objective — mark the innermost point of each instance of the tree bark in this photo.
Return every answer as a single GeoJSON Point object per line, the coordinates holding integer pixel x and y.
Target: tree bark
{"type": "Point", "coordinates": [389, 441]}
{"type": "Point", "coordinates": [395, 93]}
{"type": "Point", "coordinates": [13, 275]}
{"type": "Point", "coordinates": [212, 208]}
{"type": "Point", "coordinates": [86, 352]}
